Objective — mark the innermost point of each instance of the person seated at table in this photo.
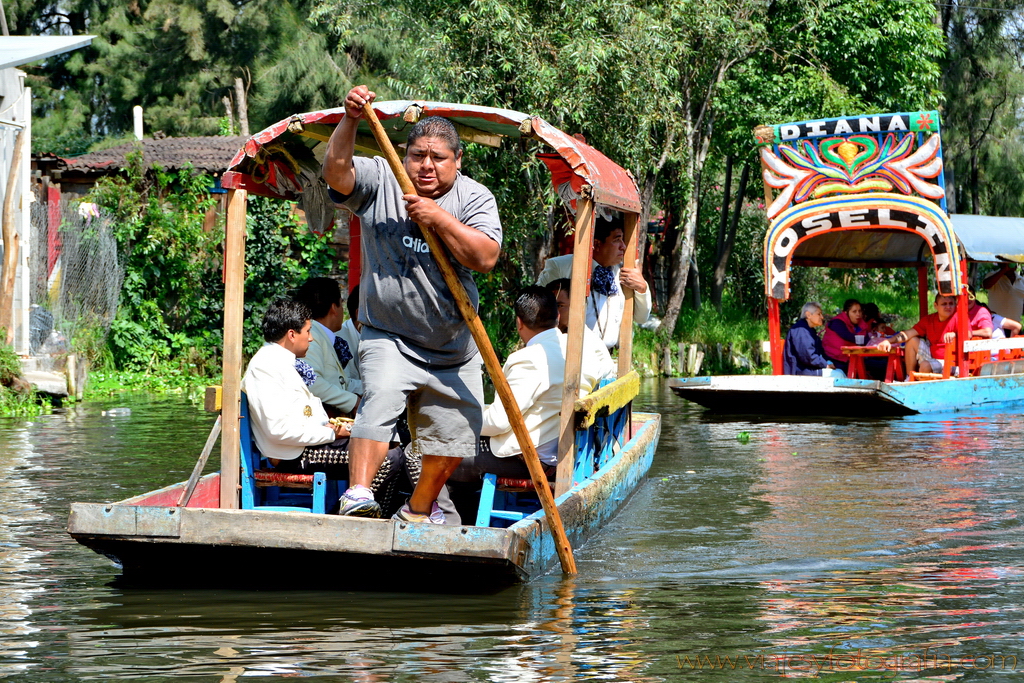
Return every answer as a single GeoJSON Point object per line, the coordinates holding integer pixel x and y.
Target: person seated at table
{"type": "Point", "coordinates": [926, 341]}
{"type": "Point", "coordinates": [803, 353]}
{"type": "Point", "coordinates": [535, 374]}
{"type": "Point", "coordinates": [597, 363]}
{"type": "Point", "coordinates": [843, 330]}
{"type": "Point", "coordinates": [875, 323]}
{"type": "Point", "coordinates": [289, 423]}
{"type": "Point", "coordinates": [1005, 291]}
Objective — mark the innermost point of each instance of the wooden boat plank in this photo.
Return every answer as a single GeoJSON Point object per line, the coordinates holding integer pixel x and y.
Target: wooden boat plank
{"type": "Point", "coordinates": [460, 541]}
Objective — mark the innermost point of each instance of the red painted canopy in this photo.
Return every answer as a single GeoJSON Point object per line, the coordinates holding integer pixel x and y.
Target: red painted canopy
{"type": "Point", "coordinates": [284, 159]}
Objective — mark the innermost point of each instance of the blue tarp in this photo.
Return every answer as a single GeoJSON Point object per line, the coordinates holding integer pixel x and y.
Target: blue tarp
{"type": "Point", "coordinates": [990, 238]}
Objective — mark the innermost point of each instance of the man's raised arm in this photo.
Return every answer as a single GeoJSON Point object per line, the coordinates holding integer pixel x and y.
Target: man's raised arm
{"type": "Point", "coordinates": [338, 171]}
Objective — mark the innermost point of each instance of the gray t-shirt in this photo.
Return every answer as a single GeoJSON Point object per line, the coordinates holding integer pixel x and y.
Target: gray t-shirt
{"type": "Point", "coordinates": [402, 291]}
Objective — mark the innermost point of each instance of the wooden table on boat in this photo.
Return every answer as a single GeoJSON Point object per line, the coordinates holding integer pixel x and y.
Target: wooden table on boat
{"type": "Point", "coordinates": [893, 366]}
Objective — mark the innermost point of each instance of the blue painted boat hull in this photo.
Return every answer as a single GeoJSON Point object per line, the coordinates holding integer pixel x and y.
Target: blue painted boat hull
{"type": "Point", "coordinates": [820, 396]}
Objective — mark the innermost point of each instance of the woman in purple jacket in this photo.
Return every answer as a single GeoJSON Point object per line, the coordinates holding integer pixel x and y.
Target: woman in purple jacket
{"type": "Point", "coordinates": [842, 331]}
{"type": "Point", "coordinates": [803, 354]}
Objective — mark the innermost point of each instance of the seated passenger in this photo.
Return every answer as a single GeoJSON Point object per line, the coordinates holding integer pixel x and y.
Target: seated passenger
{"type": "Point", "coordinates": [843, 330]}
{"type": "Point", "coordinates": [927, 340]}
{"type": "Point", "coordinates": [328, 352]}
{"type": "Point", "coordinates": [606, 301]}
{"type": "Point", "coordinates": [350, 333]}
{"type": "Point", "coordinates": [289, 424]}
{"type": "Point", "coordinates": [536, 375]}
{"type": "Point", "coordinates": [803, 353]}
{"type": "Point", "coordinates": [875, 324]}
{"type": "Point", "coordinates": [597, 363]}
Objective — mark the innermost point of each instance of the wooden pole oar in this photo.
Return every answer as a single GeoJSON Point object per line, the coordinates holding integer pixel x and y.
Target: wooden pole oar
{"type": "Point", "coordinates": [483, 343]}
{"type": "Point", "coordinates": [197, 471]}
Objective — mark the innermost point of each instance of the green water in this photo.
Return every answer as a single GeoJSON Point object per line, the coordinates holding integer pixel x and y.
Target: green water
{"type": "Point", "coordinates": [839, 551]}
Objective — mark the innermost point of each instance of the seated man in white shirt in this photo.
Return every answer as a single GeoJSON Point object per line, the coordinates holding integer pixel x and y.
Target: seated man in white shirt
{"type": "Point", "coordinates": [606, 301]}
{"type": "Point", "coordinates": [535, 374]}
{"type": "Point", "coordinates": [289, 424]}
{"type": "Point", "coordinates": [597, 362]}
{"type": "Point", "coordinates": [328, 352]}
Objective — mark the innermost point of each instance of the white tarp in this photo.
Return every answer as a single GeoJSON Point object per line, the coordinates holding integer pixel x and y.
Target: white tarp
{"type": "Point", "coordinates": [18, 50]}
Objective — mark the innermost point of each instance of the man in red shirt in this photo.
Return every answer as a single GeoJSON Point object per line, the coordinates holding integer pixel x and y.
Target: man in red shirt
{"type": "Point", "coordinates": [927, 340]}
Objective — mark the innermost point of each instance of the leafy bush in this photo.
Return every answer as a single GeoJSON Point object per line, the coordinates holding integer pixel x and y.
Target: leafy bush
{"type": "Point", "coordinates": [170, 318]}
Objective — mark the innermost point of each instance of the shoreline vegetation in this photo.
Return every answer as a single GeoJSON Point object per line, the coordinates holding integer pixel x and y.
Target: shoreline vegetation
{"type": "Point", "coordinates": [669, 91]}
{"type": "Point", "coordinates": [729, 341]}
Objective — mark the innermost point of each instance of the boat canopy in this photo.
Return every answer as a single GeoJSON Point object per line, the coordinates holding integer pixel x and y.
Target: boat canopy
{"type": "Point", "coordinates": [990, 238]}
{"type": "Point", "coordinates": [284, 160]}
{"type": "Point", "coordinates": [856, 192]}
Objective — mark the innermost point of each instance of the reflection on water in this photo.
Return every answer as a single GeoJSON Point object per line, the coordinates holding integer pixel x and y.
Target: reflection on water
{"type": "Point", "coordinates": [839, 550]}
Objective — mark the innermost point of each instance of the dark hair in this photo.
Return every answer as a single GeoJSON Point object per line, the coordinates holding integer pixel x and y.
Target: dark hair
{"type": "Point", "coordinates": [284, 315]}
{"type": "Point", "coordinates": [603, 228]}
{"type": "Point", "coordinates": [319, 294]}
{"type": "Point", "coordinates": [536, 307]}
{"type": "Point", "coordinates": [436, 127]}
{"type": "Point", "coordinates": [850, 303]}
{"type": "Point", "coordinates": [871, 312]}
{"type": "Point", "coordinates": [352, 304]}
{"type": "Point", "coordinates": [562, 284]}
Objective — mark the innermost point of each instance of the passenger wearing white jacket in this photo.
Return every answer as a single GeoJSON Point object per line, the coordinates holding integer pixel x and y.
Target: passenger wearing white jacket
{"type": "Point", "coordinates": [535, 374]}
{"type": "Point", "coordinates": [607, 301]}
{"type": "Point", "coordinates": [289, 423]}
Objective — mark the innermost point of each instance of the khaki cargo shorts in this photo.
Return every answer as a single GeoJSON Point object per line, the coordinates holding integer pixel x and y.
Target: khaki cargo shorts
{"type": "Point", "coordinates": [445, 403]}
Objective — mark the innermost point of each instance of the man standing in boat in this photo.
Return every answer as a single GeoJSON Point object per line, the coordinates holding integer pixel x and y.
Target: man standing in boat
{"type": "Point", "coordinates": [415, 349]}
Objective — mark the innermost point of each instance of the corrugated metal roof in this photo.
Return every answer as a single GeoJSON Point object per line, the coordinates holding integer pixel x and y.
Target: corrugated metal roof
{"type": "Point", "coordinates": [18, 50]}
{"type": "Point", "coordinates": [209, 154]}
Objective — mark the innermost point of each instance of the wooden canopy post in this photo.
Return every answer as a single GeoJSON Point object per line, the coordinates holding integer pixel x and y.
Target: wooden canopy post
{"type": "Point", "coordinates": [775, 334]}
{"type": "Point", "coordinates": [583, 242]}
{"type": "Point", "coordinates": [234, 295]}
{"type": "Point", "coordinates": [10, 239]}
{"type": "Point", "coordinates": [922, 290]}
{"type": "Point", "coordinates": [483, 343]}
{"type": "Point", "coordinates": [631, 260]}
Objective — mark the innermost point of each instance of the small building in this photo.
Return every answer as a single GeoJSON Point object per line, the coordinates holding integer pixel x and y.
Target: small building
{"type": "Point", "coordinates": [15, 121]}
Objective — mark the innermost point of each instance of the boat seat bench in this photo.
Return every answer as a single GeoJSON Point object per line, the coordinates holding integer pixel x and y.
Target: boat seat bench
{"type": "Point", "coordinates": [602, 418]}
{"type": "Point", "coordinates": [262, 487]}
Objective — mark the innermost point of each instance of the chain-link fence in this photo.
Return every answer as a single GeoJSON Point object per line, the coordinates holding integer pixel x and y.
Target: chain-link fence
{"type": "Point", "coordinates": [76, 277]}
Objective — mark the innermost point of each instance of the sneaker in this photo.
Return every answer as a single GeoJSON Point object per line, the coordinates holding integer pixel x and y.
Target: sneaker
{"type": "Point", "coordinates": [358, 502]}
{"type": "Point", "coordinates": [436, 516]}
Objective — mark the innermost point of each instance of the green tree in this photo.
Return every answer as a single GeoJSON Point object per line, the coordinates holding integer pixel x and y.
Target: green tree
{"type": "Point", "coordinates": [179, 59]}
{"type": "Point", "coordinates": [984, 90]}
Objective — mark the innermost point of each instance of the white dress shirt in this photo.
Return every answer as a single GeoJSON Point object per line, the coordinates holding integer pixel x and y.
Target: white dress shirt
{"type": "Point", "coordinates": [604, 313]}
{"type": "Point", "coordinates": [286, 417]}
{"type": "Point", "coordinates": [535, 374]}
